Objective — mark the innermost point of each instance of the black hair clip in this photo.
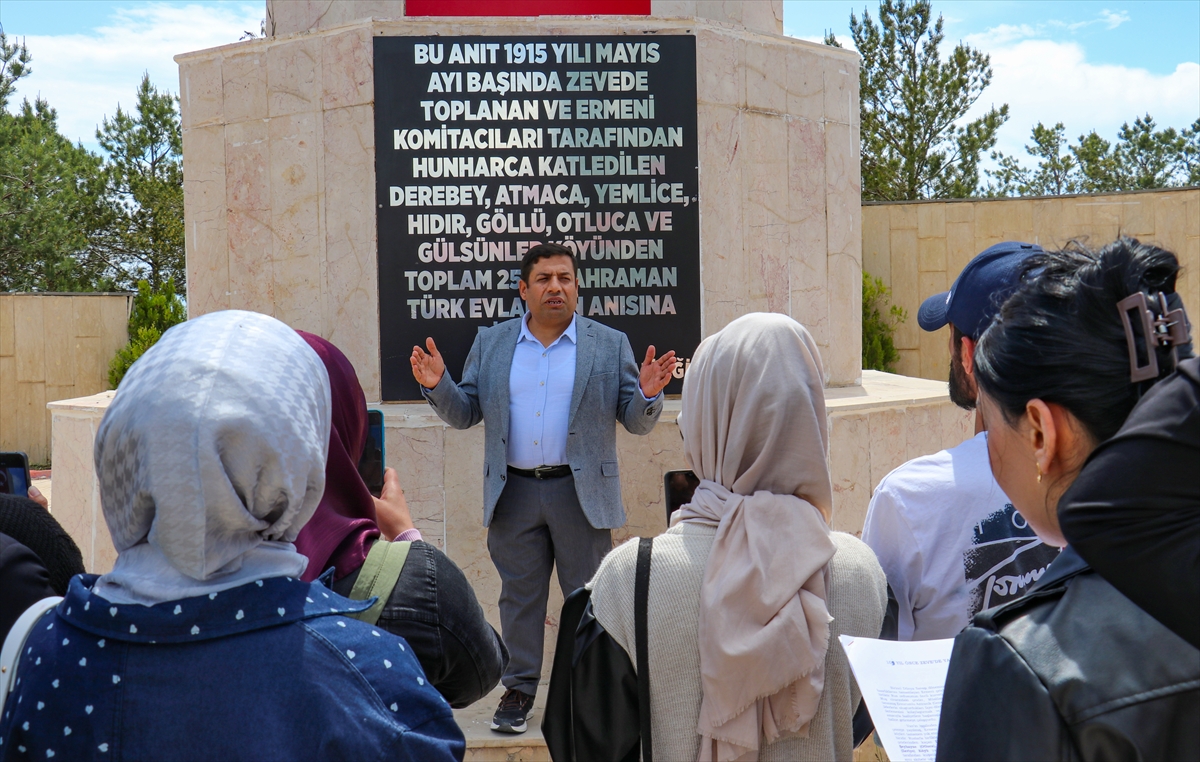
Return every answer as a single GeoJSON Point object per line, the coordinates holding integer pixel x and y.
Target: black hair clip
{"type": "Point", "coordinates": [1167, 329]}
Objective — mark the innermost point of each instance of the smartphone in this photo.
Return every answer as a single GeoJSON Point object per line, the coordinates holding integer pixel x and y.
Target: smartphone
{"type": "Point", "coordinates": [14, 474]}
{"type": "Point", "coordinates": [371, 466]}
{"type": "Point", "coordinates": [678, 488]}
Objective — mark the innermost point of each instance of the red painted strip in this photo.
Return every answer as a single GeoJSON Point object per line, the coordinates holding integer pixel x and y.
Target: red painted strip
{"type": "Point", "coordinates": [527, 8]}
{"type": "Point", "coordinates": [45, 474]}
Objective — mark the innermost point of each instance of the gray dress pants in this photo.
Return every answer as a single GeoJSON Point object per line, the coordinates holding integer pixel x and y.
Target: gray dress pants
{"type": "Point", "coordinates": [538, 523]}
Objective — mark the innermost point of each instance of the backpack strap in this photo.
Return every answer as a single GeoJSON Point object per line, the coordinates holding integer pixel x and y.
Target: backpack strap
{"type": "Point", "coordinates": [378, 576]}
{"type": "Point", "coordinates": [10, 654]}
{"type": "Point", "coordinates": [641, 601]}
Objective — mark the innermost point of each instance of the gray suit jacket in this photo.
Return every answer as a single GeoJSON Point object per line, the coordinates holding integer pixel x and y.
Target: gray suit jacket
{"type": "Point", "coordinates": [606, 389]}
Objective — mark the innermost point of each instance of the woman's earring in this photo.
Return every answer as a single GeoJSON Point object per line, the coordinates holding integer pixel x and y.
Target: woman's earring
{"type": "Point", "coordinates": [1039, 469]}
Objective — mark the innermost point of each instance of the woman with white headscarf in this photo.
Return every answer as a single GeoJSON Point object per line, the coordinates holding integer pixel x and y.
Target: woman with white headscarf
{"type": "Point", "coordinates": [203, 643]}
{"type": "Point", "coordinates": [749, 587]}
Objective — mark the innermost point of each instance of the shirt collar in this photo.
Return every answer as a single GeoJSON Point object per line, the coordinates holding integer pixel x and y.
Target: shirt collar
{"type": "Point", "coordinates": [256, 605]}
{"type": "Point", "coordinates": [527, 335]}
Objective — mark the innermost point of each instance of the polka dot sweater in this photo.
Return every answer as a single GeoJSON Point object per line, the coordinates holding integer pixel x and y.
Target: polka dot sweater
{"type": "Point", "coordinates": [275, 669]}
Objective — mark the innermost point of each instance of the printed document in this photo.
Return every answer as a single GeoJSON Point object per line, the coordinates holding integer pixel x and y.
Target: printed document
{"type": "Point", "coordinates": [902, 684]}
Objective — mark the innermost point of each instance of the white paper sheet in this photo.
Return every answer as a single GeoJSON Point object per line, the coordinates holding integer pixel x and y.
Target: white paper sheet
{"type": "Point", "coordinates": [902, 684]}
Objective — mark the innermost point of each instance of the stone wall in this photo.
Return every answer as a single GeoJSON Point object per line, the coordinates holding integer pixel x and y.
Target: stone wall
{"type": "Point", "coordinates": [53, 347]}
{"type": "Point", "coordinates": [279, 178]}
{"type": "Point", "coordinates": [919, 248]}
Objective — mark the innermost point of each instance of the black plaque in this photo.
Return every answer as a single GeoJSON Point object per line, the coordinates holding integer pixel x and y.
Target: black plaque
{"type": "Point", "coordinates": [486, 146]}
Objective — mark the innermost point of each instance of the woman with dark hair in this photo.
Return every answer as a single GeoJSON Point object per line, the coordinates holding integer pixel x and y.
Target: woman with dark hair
{"type": "Point", "coordinates": [1075, 669]}
{"type": "Point", "coordinates": [432, 605]}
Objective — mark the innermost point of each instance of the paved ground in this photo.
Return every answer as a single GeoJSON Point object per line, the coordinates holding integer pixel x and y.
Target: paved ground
{"type": "Point", "coordinates": [485, 744]}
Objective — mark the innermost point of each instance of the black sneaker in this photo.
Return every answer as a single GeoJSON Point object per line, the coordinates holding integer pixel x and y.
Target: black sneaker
{"type": "Point", "coordinates": [515, 708]}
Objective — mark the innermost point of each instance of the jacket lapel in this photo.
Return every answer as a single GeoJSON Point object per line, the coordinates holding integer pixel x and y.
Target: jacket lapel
{"type": "Point", "coordinates": [585, 352]}
{"type": "Point", "coordinates": [506, 346]}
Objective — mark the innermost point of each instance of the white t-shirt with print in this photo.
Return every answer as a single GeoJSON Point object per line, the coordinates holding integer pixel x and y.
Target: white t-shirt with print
{"type": "Point", "coordinates": [950, 541]}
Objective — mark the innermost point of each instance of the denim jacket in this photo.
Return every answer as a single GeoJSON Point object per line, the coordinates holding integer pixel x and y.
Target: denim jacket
{"type": "Point", "coordinates": [268, 670]}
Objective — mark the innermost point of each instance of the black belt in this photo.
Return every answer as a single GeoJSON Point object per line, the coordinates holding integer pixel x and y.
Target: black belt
{"type": "Point", "coordinates": [542, 472]}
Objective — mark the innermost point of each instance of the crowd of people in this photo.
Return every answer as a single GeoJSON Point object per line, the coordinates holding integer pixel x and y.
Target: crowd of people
{"type": "Point", "coordinates": [264, 604]}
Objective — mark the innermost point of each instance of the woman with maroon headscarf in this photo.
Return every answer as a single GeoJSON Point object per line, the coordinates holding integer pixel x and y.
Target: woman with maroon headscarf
{"type": "Point", "coordinates": [432, 605]}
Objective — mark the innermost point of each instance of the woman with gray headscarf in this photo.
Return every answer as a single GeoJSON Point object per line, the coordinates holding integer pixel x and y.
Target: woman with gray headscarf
{"type": "Point", "coordinates": [203, 642]}
{"type": "Point", "coordinates": [749, 587]}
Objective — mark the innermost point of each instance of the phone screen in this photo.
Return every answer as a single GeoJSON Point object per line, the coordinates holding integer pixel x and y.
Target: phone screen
{"type": "Point", "coordinates": [14, 474]}
{"type": "Point", "coordinates": [371, 466]}
{"type": "Point", "coordinates": [678, 486]}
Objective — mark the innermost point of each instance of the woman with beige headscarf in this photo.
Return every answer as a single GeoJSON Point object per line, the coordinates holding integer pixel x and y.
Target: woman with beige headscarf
{"type": "Point", "coordinates": [749, 587]}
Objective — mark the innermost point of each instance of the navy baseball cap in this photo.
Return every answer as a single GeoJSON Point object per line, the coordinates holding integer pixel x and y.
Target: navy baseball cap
{"type": "Point", "coordinates": [979, 290]}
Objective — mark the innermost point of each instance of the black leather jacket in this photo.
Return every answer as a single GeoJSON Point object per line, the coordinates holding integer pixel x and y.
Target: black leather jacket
{"type": "Point", "coordinates": [1071, 671]}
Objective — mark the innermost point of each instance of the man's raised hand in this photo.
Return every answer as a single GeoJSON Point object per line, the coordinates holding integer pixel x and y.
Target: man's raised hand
{"type": "Point", "coordinates": [656, 374]}
{"type": "Point", "coordinates": [427, 367]}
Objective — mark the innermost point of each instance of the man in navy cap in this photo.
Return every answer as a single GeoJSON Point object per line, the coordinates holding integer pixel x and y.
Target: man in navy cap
{"type": "Point", "coordinates": [948, 538]}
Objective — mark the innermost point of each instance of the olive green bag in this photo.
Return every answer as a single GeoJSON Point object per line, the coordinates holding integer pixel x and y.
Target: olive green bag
{"type": "Point", "coordinates": [378, 576]}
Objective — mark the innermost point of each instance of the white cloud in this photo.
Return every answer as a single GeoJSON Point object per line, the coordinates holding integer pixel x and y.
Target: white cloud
{"type": "Point", "coordinates": [1113, 19]}
{"type": "Point", "coordinates": [1002, 34]}
{"type": "Point", "coordinates": [1109, 19]}
{"type": "Point", "coordinates": [1047, 81]}
{"type": "Point", "coordinates": [85, 76]}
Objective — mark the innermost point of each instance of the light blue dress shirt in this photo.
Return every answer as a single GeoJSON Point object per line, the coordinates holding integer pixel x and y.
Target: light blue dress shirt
{"type": "Point", "coordinates": [540, 385]}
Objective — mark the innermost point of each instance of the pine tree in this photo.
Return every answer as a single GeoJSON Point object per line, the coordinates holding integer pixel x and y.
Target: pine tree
{"type": "Point", "coordinates": [142, 233]}
{"type": "Point", "coordinates": [1142, 157]}
{"type": "Point", "coordinates": [912, 102]}
{"type": "Point", "coordinates": [50, 194]}
{"type": "Point", "coordinates": [1056, 173]}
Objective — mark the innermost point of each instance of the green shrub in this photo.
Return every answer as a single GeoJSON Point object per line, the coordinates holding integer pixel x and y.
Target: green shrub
{"type": "Point", "coordinates": [879, 322]}
{"type": "Point", "coordinates": [152, 314]}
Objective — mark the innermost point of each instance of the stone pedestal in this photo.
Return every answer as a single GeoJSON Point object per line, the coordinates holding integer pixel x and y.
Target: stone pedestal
{"type": "Point", "coordinates": [76, 498]}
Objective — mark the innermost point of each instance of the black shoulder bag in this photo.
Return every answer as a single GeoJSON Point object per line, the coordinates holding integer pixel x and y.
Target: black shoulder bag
{"type": "Point", "coordinates": [598, 706]}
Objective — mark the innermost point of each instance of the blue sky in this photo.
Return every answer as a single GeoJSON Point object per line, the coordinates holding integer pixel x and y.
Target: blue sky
{"type": "Point", "coordinates": [1156, 36]}
{"type": "Point", "coordinates": [1091, 65]}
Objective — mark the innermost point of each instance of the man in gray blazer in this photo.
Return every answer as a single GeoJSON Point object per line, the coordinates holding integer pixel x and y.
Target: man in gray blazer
{"type": "Point", "coordinates": [550, 386]}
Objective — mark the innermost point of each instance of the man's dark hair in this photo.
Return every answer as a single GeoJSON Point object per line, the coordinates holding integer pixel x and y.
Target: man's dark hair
{"type": "Point", "coordinates": [542, 251]}
{"type": "Point", "coordinates": [1059, 337]}
{"type": "Point", "coordinates": [961, 393]}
